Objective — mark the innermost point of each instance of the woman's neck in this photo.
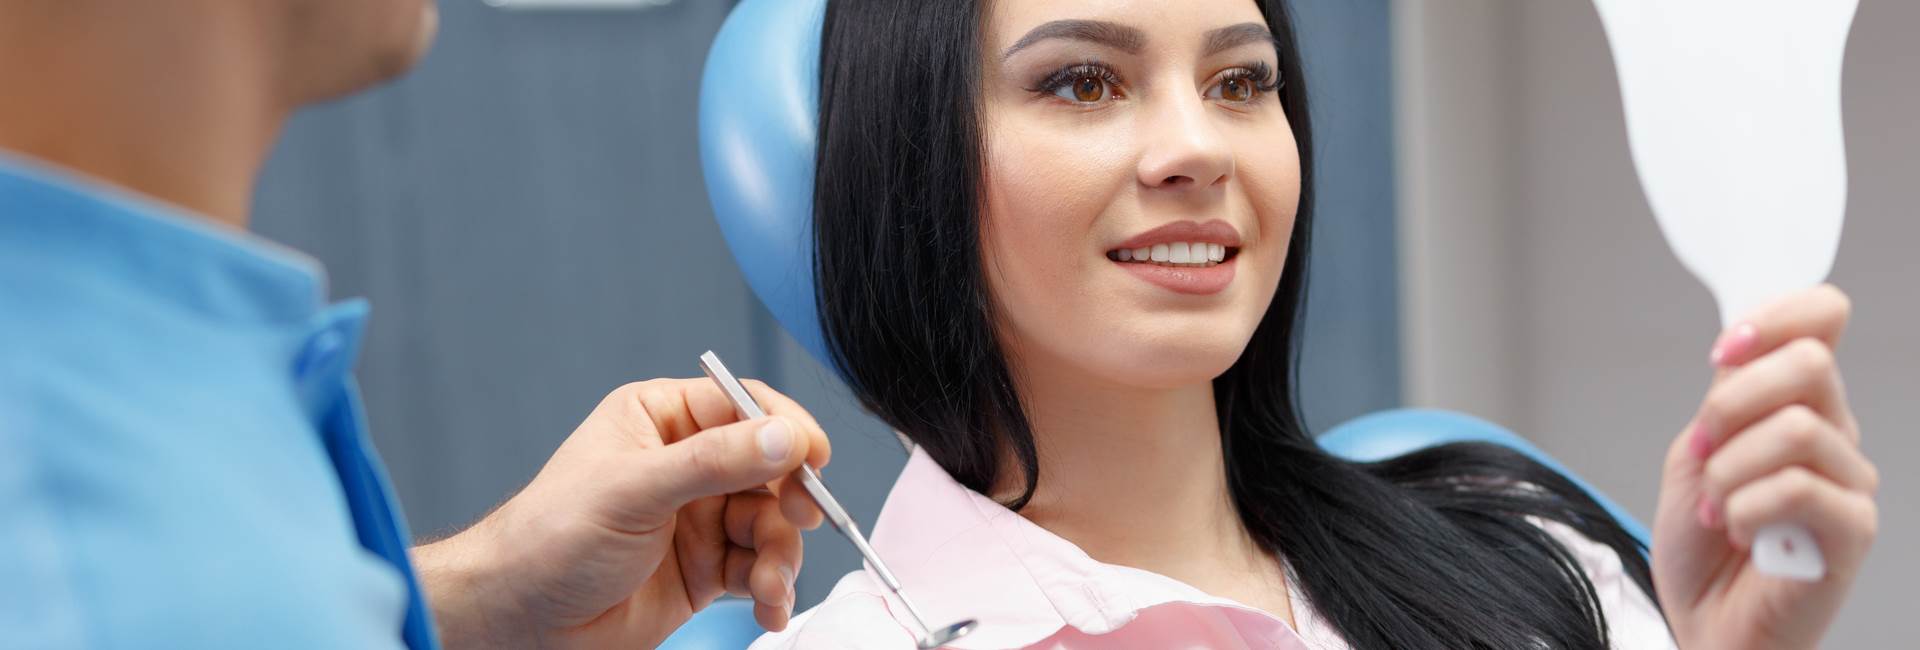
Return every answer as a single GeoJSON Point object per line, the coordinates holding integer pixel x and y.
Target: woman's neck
{"type": "Point", "coordinates": [1136, 477]}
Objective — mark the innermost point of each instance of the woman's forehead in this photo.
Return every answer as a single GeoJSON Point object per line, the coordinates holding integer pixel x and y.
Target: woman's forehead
{"type": "Point", "coordinates": [1148, 23]}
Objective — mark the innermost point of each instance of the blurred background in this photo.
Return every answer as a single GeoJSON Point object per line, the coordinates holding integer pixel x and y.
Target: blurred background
{"type": "Point", "coordinates": [527, 215]}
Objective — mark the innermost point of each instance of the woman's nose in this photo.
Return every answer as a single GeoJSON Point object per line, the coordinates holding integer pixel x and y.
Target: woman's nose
{"type": "Point", "coordinates": [1184, 148]}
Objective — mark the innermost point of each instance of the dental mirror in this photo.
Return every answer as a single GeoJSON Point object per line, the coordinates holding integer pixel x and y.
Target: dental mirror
{"type": "Point", "coordinates": [1733, 118]}
{"type": "Point", "coordinates": [948, 634]}
{"type": "Point", "coordinates": [749, 409]}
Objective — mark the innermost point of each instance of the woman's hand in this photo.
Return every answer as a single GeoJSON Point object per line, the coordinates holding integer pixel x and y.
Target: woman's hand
{"type": "Point", "coordinates": [659, 503]}
{"type": "Point", "coordinates": [1774, 442]}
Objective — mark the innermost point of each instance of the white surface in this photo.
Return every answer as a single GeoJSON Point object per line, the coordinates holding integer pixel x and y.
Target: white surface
{"type": "Point", "coordinates": [1733, 114]}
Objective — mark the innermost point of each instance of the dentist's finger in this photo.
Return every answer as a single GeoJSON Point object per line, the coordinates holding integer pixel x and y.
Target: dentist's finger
{"type": "Point", "coordinates": [700, 545]}
{"type": "Point", "coordinates": [798, 506]}
{"type": "Point", "coordinates": [722, 460]}
{"type": "Point", "coordinates": [739, 566]}
{"type": "Point", "coordinates": [754, 521]}
{"type": "Point", "coordinates": [819, 449]}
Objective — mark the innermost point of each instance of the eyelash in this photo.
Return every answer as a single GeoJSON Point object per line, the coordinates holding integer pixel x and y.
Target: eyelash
{"type": "Point", "coordinates": [1262, 76]}
{"type": "Point", "coordinates": [1066, 76]}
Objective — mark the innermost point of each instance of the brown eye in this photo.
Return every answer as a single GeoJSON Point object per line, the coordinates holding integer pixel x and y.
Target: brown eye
{"type": "Point", "coordinates": [1085, 84]}
{"type": "Point", "coordinates": [1236, 90]}
{"type": "Point", "coordinates": [1089, 89]}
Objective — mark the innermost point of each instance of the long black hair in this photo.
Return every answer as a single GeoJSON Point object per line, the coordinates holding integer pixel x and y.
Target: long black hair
{"type": "Point", "coordinates": [1433, 549]}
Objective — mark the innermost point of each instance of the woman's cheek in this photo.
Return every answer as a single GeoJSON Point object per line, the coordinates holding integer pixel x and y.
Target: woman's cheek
{"type": "Point", "coordinates": [1271, 178]}
{"type": "Point", "coordinates": [1044, 197]}
{"type": "Point", "coordinates": [1046, 192]}
{"type": "Point", "coordinates": [1033, 243]}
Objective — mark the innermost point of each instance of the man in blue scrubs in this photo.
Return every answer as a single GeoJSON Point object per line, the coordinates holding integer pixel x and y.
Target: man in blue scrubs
{"type": "Point", "coordinates": [182, 456]}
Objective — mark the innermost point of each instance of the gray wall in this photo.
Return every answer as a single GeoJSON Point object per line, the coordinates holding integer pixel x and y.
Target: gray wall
{"type": "Point", "coordinates": [527, 215]}
{"type": "Point", "coordinates": [1541, 294]}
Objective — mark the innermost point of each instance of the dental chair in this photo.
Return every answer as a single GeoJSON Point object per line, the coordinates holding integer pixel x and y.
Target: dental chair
{"type": "Point", "coordinates": [756, 150]}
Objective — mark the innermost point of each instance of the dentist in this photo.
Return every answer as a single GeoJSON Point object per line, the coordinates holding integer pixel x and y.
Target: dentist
{"type": "Point", "coordinates": [183, 461]}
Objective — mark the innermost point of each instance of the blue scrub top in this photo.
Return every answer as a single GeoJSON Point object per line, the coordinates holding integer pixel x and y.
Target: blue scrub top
{"type": "Point", "coordinates": [183, 459]}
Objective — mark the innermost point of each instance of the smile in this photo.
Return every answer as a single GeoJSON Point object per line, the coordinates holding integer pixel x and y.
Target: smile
{"type": "Point", "coordinates": [1183, 257]}
{"type": "Point", "coordinates": [1182, 254]}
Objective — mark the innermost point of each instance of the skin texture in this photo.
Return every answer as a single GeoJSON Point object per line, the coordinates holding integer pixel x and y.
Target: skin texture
{"type": "Point", "coordinates": [655, 506]}
{"type": "Point", "coordinates": [182, 100]}
{"type": "Point", "coordinates": [1116, 371]}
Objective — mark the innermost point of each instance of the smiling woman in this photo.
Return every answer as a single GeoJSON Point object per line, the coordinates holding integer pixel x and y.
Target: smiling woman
{"type": "Point", "coordinates": [1063, 247]}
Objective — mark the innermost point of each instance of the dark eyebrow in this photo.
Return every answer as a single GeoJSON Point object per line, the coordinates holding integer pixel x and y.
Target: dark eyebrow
{"type": "Point", "coordinates": [1114, 35]}
{"type": "Point", "coordinates": [1227, 38]}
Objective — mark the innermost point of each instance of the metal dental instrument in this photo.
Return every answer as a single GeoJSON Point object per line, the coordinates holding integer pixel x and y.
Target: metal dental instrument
{"type": "Point", "coordinates": [748, 409]}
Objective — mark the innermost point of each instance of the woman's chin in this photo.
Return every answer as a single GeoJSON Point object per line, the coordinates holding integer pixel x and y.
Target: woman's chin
{"type": "Point", "coordinates": [1167, 364]}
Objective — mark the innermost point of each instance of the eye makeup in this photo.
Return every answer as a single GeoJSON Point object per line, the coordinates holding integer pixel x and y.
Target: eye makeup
{"type": "Point", "coordinates": [1263, 77]}
{"type": "Point", "coordinates": [1092, 81]}
{"type": "Point", "coordinates": [1074, 75]}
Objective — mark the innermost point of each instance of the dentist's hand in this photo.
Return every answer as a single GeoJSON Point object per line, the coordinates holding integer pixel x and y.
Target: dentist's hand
{"type": "Point", "coordinates": [1773, 442]}
{"type": "Point", "coordinates": [657, 505]}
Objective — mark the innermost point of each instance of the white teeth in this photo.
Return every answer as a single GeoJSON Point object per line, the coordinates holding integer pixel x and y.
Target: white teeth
{"type": "Point", "coordinates": [1174, 254]}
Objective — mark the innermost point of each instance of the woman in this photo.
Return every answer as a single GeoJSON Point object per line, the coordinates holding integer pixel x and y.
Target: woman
{"type": "Point", "coordinates": [1062, 247]}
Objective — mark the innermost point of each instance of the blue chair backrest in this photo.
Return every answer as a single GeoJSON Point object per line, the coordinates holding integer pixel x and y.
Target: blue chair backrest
{"type": "Point", "coordinates": [758, 110]}
{"type": "Point", "coordinates": [1383, 435]}
{"type": "Point", "coordinates": [725, 625]}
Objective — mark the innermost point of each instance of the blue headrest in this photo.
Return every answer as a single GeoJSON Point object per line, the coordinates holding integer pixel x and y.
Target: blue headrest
{"type": "Point", "coordinates": [759, 105]}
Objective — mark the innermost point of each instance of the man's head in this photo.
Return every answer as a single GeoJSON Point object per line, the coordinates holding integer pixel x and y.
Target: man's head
{"type": "Point", "coordinates": [329, 48]}
{"type": "Point", "coordinates": [126, 90]}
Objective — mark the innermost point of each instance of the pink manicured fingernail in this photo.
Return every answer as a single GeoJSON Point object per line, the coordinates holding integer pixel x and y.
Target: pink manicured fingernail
{"type": "Point", "coordinates": [1734, 343]}
{"type": "Point", "coordinates": [1700, 441]}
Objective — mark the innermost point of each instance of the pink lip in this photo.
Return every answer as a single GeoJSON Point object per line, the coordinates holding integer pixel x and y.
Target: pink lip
{"type": "Point", "coordinates": [1194, 280]}
{"type": "Point", "coordinates": [1213, 232]}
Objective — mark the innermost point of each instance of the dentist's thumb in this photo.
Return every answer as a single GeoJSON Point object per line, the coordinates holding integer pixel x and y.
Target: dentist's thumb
{"type": "Point", "coordinates": [725, 459]}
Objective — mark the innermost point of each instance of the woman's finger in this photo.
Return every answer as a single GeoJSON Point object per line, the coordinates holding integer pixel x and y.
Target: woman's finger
{"type": "Point", "coordinates": [1801, 372]}
{"type": "Point", "coordinates": [1843, 522]}
{"type": "Point", "coordinates": [1819, 313]}
{"type": "Point", "coordinates": [1793, 436]}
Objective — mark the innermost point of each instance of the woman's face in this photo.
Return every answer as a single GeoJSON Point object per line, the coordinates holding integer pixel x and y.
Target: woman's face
{"type": "Point", "coordinates": [1117, 129]}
